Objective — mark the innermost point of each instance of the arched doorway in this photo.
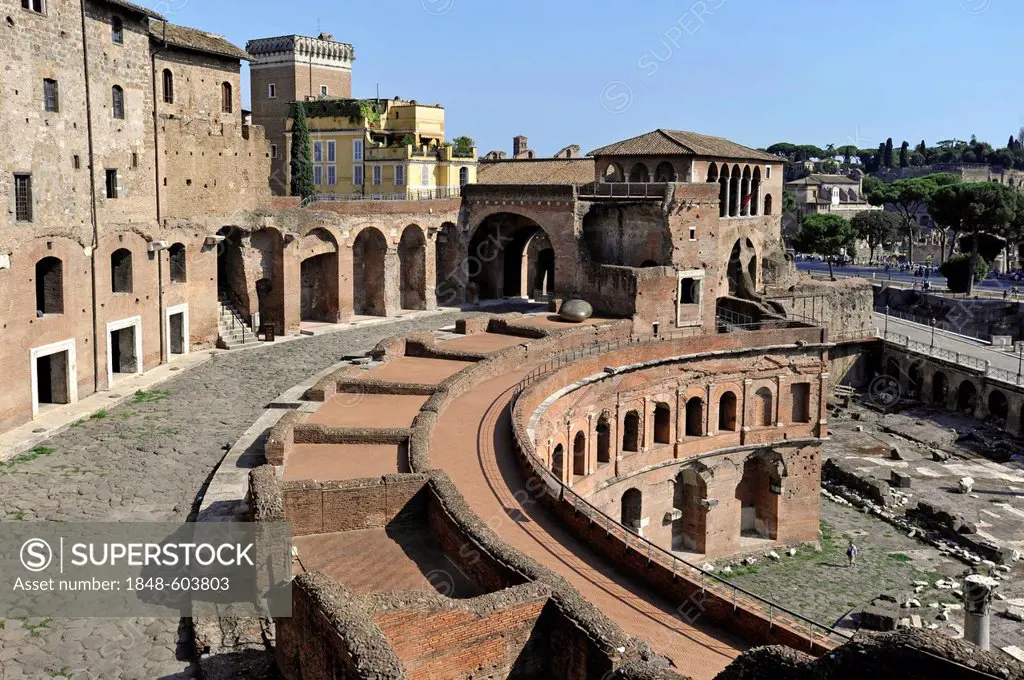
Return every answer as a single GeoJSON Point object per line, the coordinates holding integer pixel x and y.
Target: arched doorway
{"type": "Point", "coordinates": [579, 455]}
{"type": "Point", "coordinates": [940, 388]}
{"type": "Point", "coordinates": [318, 276]}
{"type": "Point", "coordinates": [614, 173]}
{"type": "Point", "coordinates": [447, 258]}
{"type": "Point", "coordinates": [232, 286]}
{"type": "Point", "coordinates": [510, 256]}
{"type": "Point", "coordinates": [662, 424]}
{"type": "Point", "coordinates": [966, 397]}
{"type": "Point", "coordinates": [695, 417]}
{"type": "Point", "coordinates": [734, 191]}
{"type": "Point", "coordinates": [755, 192]}
{"type": "Point", "coordinates": [745, 196]}
{"type": "Point", "coordinates": [763, 411]}
{"type": "Point", "coordinates": [758, 493]}
{"type": "Point", "coordinates": [689, 532]}
{"type": "Point", "coordinates": [723, 192]}
{"type": "Point", "coordinates": [727, 412]}
{"type": "Point", "coordinates": [631, 432]}
{"type": "Point", "coordinates": [742, 261]}
{"type": "Point", "coordinates": [558, 463]}
{"type": "Point", "coordinates": [412, 261]}
{"type": "Point", "coordinates": [664, 172]}
{"type": "Point", "coordinates": [639, 174]}
{"type": "Point", "coordinates": [632, 509]}
{"type": "Point", "coordinates": [915, 379]}
{"type": "Point", "coordinates": [368, 255]}
{"type": "Point", "coordinates": [998, 407]}
{"type": "Point", "coordinates": [604, 439]}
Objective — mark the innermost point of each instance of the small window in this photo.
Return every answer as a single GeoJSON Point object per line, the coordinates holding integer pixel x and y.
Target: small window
{"type": "Point", "coordinates": [117, 102]}
{"type": "Point", "coordinates": [463, 176]}
{"type": "Point", "coordinates": [273, 150]}
{"type": "Point", "coordinates": [318, 174]}
{"type": "Point", "coordinates": [272, 91]}
{"type": "Point", "coordinates": [332, 175]}
{"type": "Point", "coordinates": [168, 86]}
{"type": "Point", "coordinates": [111, 183]}
{"type": "Point", "coordinates": [135, 159]}
{"type": "Point", "coordinates": [693, 233]}
{"type": "Point", "coordinates": [177, 263]}
{"type": "Point", "coordinates": [332, 150]}
{"type": "Point", "coordinates": [318, 152]}
{"type": "Point", "coordinates": [76, 162]}
{"type": "Point", "coordinates": [227, 102]}
{"type": "Point", "coordinates": [399, 175]}
{"type": "Point", "coordinates": [378, 175]}
{"type": "Point", "coordinates": [689, 291]}
{"type": "Point", "coordinates": [767, 172]}
{"type": "Point", "coordinates": [51, 100]}
{"type": "Point", "coordinates": [117, 30]}
{"type": "Point", "coordinates": [425, 175]}
{"type": "Point", "coordinates": [121, 271]}
{"type": "Point", "coordinates": [36, 6]}
{"type": "Point", "coordinates": [23, 198]}
{"type": "Point", "coordinates": [357, 149]}
{"type": "Point", "coordinates": [357, 175]}
{"type": "Point", "coordinates": [323, 90]}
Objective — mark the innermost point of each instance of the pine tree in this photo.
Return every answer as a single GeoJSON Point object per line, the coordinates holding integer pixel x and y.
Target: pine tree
{"type": "Point", "coordinates": [887, 156]}
{"type": "Point", "coordinates": [302, 158]}
{"type": "Point", "coordinates": [922, 148]}
{"type": "Point", "coordinates": [904, 156]}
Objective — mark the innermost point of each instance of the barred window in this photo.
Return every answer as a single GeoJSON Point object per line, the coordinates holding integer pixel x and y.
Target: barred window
{"type": "Point", "coordinates": [117, 30]}
{"type": "Point", "coordinates": [227, 103]}
{"type": "Point", "coordinates": [23, 198]}
{"type": "Point", "coordinates": [117, 101]}
{"type": "Point", "coordinates": [51, 100]}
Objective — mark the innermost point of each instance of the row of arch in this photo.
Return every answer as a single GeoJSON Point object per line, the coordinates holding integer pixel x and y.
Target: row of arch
{"type": "Point", "coordinates": [740, 190]}
{"type": "Point", "coordinates": [640, 173]}
{"type": "Point", "coordinates": [49, 277]}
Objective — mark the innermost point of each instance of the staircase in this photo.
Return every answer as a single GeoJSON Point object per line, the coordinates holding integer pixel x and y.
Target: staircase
{"type": "Point", "coordinates": [233, 330]}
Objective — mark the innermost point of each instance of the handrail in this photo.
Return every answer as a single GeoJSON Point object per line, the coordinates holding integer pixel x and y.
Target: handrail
{"type": "Point", "coordinates": [234, 304]}
{"type": "Point", "coordinates": [581, 504]}
{"type": "Point", "coordinates": [965, 360]}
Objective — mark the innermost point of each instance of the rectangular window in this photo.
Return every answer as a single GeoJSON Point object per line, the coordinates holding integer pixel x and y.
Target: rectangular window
{"type": "Point", "coordinates": [23, 198]}
{"type": "Point", "coordinates": [357, 175]}
{"type": "Point", "coordinates": [272, 91]}
{"type": "Point", "coordinates": [767, 172]}
{"type": "Point", "coordinates": [800, 397]}
{"type": "Point", "coordinates": [117, 30]}
{"type": "Point", "coordinates": [323, 90]}
{"type": "Point", "coordinates": [111, 183]}
{"type": "Point", "coordinates": [332, 174]}
{"type": "Point", "coordinates": [332, 148]}
{"type": "Point", "coordinates": [357, 149]}
{"type": "Point", "coordinates": [399, 175]}
{"type": "Point", "coordinates": [425, 175]}
{"type": "Point", "coordinates": [378, 175]}
{"type": "Point", "coordinates": [51, 102]}
{"type": "Point", "coordinates": [135, 160]}
{"type": "Point", "coordinates": [318, 175]}
{"type": "Point", "coordinates": [273, 150]}
{"type": "Point", "coordinates": [76, 162]}
{"type": "Point", "coordinates": [36, 6]}
{"type": "Point", "coordinates": [693, 233]}
{"type": "Point", "coordinates": [318, 152]}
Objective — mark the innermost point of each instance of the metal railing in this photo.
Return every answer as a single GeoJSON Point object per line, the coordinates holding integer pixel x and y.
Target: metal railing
{"type": "Point", "coordinates": [622, 190]}
{"type": "Point", "coordinates": [707, 581]}
{"type": "Point", "coordinates": [941, 324]}
{"type": "Point", "coordinates": [432, 194]}
{"type": "Point", "coordinates": [232, 303]}
{"type": "Point", "coordinates": [959, 358]}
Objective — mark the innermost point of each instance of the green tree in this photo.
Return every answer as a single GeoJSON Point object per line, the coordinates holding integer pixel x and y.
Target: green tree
{"type": "Point", "coordinates": [887, 153]}
{"type": "Point", "coordinates": [847, 151]}
{"type": "Point", "coordinates": [302, 158]}
{"type": "Point", "coordinates": [463, 145]}
{"type": "Point", "coordinates": [957, 272]}
{"type": "Point", "coordinates": [976, 209]}
{"type": "Point", "coordinates": [922, 148]}
{"type": "Point", "coordinates": [905, 155]}
{"type": "Point", "coordinates": [908, 197]}
{"type": "Point", "coordinates": [825, 234]}
{"type": "Point", "coordinates": [877, 227]}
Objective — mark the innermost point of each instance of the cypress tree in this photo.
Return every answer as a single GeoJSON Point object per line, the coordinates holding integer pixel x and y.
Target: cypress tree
{"type": "Point", "coordinates": [302, 156]}
{"type": "Point", "coordinates": [887, 157]}
{"type": "Point", "coordinates": [904, 156]}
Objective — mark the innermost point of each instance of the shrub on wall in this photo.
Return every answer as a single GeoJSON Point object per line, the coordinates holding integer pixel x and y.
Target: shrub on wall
{"type": "Point", "coordinates": [956, 270]}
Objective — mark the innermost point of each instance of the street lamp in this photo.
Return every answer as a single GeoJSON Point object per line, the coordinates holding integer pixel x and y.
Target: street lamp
{"type": "Point", "coordinates": [886, 334]}
{"type": "Point", "coordinates": [933, 334]}
{"type": "Point", "coordinates": [1020, 358]}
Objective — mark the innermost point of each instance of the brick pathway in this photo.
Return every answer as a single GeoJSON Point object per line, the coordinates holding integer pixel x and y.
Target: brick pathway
{"type": "Point", "coordinates": [146, 461]}
{"type": "Point", "coordinates": [473, 444]}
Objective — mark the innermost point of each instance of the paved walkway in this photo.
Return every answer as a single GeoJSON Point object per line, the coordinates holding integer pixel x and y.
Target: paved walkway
{"type": "Point", "coordinates": [945, 340]}
{"type": "Point", "coordinates": [473, 443]}
{"type": "Point", "coordinates": [146, 460]}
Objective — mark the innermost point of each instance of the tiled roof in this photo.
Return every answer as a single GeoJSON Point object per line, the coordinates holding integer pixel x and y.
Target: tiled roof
{"type": "Point", "coordinates": [536, 171]}
{"type": "Point", "coordinates": [818, 179]}
{"type": "Point", "coordinates": [194, 39]}
{"type": "Point", "coordinates": [679, 142]}
{"type": "Point", "coordinates": [135, 8]}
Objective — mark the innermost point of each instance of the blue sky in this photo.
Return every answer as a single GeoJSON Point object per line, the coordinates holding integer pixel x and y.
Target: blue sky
{"type": "Point", "coordinates": [592, 72]}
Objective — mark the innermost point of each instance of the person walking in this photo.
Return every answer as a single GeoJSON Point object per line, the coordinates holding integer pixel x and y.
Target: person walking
{"type": "Point", "coordinates": [851, 553]}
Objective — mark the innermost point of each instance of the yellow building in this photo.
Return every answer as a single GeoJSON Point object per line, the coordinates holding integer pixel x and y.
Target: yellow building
{"type": "Point", "coordinates": [386, 148]}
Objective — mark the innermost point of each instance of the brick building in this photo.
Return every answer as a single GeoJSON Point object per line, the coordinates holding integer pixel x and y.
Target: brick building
{"type": "Point", "coordinates": [124, 143]}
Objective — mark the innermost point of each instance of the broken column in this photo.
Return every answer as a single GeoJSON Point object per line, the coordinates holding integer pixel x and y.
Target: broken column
{"type": "Point", "coordinates": [978, 592]}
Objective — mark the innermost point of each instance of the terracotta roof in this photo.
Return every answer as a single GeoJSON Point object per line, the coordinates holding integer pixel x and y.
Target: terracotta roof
{"type": "Point", "coordinates": [679, 142]}
{"type": "Point", "coordinates": [536, 171]}
{"type": "Point", "coordinates": [818, 179]}
{"type": "Point", "coordinates": [145, 11]}
{"type": "Point", "coordinates": [196, 40]}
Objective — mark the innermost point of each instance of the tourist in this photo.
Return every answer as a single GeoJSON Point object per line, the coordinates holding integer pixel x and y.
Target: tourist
{"type": "Point", "coordinates": [851, 553]}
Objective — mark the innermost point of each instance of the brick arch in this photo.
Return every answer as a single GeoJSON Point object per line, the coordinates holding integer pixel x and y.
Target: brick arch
{"type": "Point", "coordinates": [967, 396]}
{"type": "Point", "coordinates": [506, 250]}
{"type": "Point", "coordinates": [369, 271]}
{"type": "Point", "coordinates": [319, 294]}
{"type": "Point", "coordinates": [412, 264]}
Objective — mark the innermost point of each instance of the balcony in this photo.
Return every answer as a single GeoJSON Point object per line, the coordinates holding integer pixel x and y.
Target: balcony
{"type": "Point", "coordinates": [641, 190]}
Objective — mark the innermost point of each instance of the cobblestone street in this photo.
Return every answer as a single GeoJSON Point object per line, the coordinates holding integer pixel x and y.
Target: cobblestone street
{"type": "Point", "coordinates": [146, 460]}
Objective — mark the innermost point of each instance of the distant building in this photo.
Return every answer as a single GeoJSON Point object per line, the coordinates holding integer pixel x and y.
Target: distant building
{"type": "Point", "coordinates": [819, 193]}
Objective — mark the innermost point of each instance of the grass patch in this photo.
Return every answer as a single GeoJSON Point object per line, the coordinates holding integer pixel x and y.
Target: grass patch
{"type": "Point", "coordinates": [35, 629]}
{"type": "Point", "coordinates": [34, 453]}
{"type": "Point", "coordinates": [150, 396]}
{"type": "Point", "coordinates": [79, 423]}
{"type": "Point", "coordinates": [128, 414]}
{"type": "Point", "coordinates": [99, 415]}
{"type": "Point", "coordinates": [64, 672]}
{"type": "Point", "coordinates": [900, 557]}
{"type": "Point", "coordinates": [16, 515]}
{"type": "Point", "coordinates": [741, 570]}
